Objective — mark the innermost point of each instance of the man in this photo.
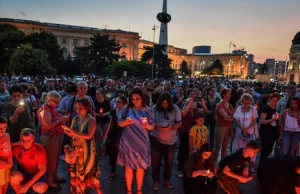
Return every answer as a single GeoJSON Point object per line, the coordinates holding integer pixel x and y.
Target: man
{"type": "Point", "coordinates": [279, 175]}
{"type": "Point", "coordinates": [233, 169]}
{"type": "Point", "coordinates": [111, 91]}
{"type": "Point", "coordinates": [4, 96]}
{"type": "Point", "coordinates": [32, 161]}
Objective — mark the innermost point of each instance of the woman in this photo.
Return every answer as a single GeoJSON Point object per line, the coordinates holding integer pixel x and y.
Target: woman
{"type": "Point", "coordinates": [19, 113]}
{"type": "Point", "coordinates": [164, 138]}
{"type": "Point", "coordinates": [211, 102]}
{"type": "Point", "coordinates": [269, 126]}
{"type": "Point", "coordinates": [84, 171]}
{"type": "Point", "coordinates": [289, 129]}
{"type": "Point", "coordinates": [52, 136]}
{"type": "Point", "coordinates": [115, 135]}
{"type": "Point", "coordinates": [136, 119]}
{"type": "Point", "coordinates": [102, 115]}
{"type": "Point", "coordinates": [224, 123]}
{"type": "Point", "coordinates": [199, 172]}
{"type": "Point", "coordinates": [246, 125]}
{"type": "Point", "coordinates": [28, 97]}
{"type": "Point", "coordinates": [246, 128]}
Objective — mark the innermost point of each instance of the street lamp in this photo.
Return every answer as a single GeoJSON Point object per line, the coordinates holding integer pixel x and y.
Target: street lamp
{"type": "Point", "coordinates": [153, 54]}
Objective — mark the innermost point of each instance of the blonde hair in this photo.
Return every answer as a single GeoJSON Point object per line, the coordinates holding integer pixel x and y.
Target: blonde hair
{"type": "Point", "coordinates": [245, 96]}
{"type": "Point", "coordinates": [53, 94]}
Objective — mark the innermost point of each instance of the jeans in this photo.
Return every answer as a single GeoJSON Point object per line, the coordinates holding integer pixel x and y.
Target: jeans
{"type": "Point", "coordinates": [159, 151]}
{"type": "Point", "coordinates": [222, 141]}
{"type": "Point", "coordinates": [183, 152]}
{"type": "Point", "coordinates": [290, 142]}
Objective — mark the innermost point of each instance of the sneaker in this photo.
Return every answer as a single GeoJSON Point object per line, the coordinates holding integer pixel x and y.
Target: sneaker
{"type": "Point", "coordinates": [179, 174]}
{"type": "Point", "coordinates": [155, 186]}
{"type": "Point", "coordinates": [169, 184]}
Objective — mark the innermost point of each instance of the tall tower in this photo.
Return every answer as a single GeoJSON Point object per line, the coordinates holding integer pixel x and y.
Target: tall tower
{"type": "Point", "coordinates": [164, 18]}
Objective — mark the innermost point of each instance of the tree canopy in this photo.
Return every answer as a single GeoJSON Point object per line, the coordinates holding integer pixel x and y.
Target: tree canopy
{"type": "Point", "coordinates": [101, 52]}
{"type": "Point", "coordinates": [133, 68]}
{"type": "Point", "coordinates": [30, 61]}
{"type": "Point", "coordinates": [216, 68]}
{"type": "Point", "coordinates": [184, 70]}
{"type": "Point", "coordinates": [162, 64]}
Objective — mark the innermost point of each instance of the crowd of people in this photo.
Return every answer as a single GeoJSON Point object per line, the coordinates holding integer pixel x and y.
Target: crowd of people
{"type": "Point", "coordinates": [217, 125]}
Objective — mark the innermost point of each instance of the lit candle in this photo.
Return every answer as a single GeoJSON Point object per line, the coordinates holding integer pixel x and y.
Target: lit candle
{"type": "Point", "coordinates": [21, 103]}
{"type": "Point", "coordinates": [277, 115]}
{"type": "Point", "coordinates": [207, 171]}
{"type": "Point", "coordinates": [101, 110]}
{"type": "Point", "coordinates": [144, 121]}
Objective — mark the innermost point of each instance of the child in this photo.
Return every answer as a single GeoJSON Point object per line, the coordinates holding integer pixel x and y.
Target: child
{"type": "Point", "coordinates": [5, 156]}
{"type": "Point", "coordinates": [198, 134]}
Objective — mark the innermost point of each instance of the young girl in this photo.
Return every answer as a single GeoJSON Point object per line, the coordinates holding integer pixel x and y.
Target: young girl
{"type": "Point", "coordinates": [5, 156]}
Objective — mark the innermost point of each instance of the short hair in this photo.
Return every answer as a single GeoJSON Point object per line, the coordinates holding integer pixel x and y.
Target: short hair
{"type": "Point", "coordinates": [274, 95]}
{"type": "Point", "coordinates": [253, 144]}
{"type": "Point", "coordinates": [15, 89]}
{"type": "Point", "coordinates": [27, 132]}
{"type": "Point", "coordinates": [82, 83]}
{"type": "Point", "coordinates": [189, 91]}
{"type": "Point", "coordinates": [123, 98]}
{"type": "Point", "coordinates": [53, 94]}
{"type": "Point", "coordinates": [246, 96]}
{"type": "Point", "coordinates": [3, 120]}
{"type": "Point", "coordinates": [85, 103]}
{"type": "Point", "coordinates": [224, 92]}
{"type": "Point", "coordinates": [199, 115]}
{"type": "Point", "coordinates": [24, 86]}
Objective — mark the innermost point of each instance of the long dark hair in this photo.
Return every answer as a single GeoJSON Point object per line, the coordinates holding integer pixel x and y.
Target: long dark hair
{"type": "Point", "coordinates": [204, 148]}
{"type": "Point", "coordinates": [168, 98]}
{"type": "Point", "coordinates": [139, 92]}
{"type": "Point", "coordinates": [296, 99]}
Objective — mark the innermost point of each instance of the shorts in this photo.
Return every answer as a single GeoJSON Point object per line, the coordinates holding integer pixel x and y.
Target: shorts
{"type": "Point", "coordinates": [4, 176]}
{"type": "Point", "coordinates": [27, 176]}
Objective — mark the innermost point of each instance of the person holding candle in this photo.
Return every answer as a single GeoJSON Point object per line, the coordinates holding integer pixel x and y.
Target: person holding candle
{"type": "Point", "coordinates": [234, 168]}
{"type": "Point", "coordinates": [84, 171]}
{"type": "Point", "coordinates": [269, 126]}
{"type": "Point", "coordinates": [164, 138]}
{"type": "Point", "coordinates": [199, 177]}
{"type": "Point", "coordinates": [134, 147]}
{"type": "Point", "coordinates": [102, 114]}
{"type": "Point", "coordinates": [19, 113]}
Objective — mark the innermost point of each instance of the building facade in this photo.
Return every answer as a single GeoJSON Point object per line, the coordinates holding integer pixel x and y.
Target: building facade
{"type": "Point", "coordinates": [69, 36]}
{"type": "Point", "coordinates": [277, 68]}
{"type": "Point", "coordinates": [294, 64]}
{"type": "Point", "coordinates": [201, 50]}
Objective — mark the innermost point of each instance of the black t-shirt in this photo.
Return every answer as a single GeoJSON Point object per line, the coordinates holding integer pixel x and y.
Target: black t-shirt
{"type": "Point", "coordinates": [106, 108]}
{"type": "Point", "coordinates": [279, 172]}
{"type": "Point", "coordinates": [270, 112]}
{"type": "Point", "coordinates": [235, 162]}
{"type": "Point", "coordinates": [234, 97]}
{"type": "Point", "coordinates": [92, 92]}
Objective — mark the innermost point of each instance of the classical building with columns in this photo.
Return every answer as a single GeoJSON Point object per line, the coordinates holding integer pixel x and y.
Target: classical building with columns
{"type": "Point", "coordinates": [69, 36]}
{"type": "Point", "coordinates": [294, 64]}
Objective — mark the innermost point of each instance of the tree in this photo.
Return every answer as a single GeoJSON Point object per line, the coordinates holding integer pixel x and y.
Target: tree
{"type": "Point", "coordinates": [30, 61]}
{"type": "Point", "coordinates": [102, 52]}
{"type": "Point", "coordinates": [10, 39]}
{"type": "Point", "coordinates": [118, 68]}
{"type": "Point", "coordinates": [48, 42]}
{"type": "Point", "coordinates": [133, 68]}
{"type": "Point", "coordinates": [184, 70]}
{"type": "Point", "coordinates": [162, 64]}
{"type": "Point", "coordinates": [215, 69]}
